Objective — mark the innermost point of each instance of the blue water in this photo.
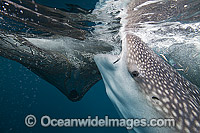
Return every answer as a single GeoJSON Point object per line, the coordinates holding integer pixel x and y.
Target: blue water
{"type": "Point", "coordinates": [23, 93]}
{"type": "Point", "coordinates": [86, 4]}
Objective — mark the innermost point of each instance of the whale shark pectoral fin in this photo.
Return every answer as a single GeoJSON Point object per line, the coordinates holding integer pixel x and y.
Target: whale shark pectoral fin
{"type": "Point", "coordinates": [52, 66]}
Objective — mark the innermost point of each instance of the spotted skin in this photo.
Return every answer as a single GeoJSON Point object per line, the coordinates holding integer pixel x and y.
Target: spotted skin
{"type": "Point", "coordinates": [170, 93]}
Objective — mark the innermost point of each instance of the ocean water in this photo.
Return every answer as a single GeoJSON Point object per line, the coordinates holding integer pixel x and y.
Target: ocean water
{"type": "Point", "coordinates": [23, 92]}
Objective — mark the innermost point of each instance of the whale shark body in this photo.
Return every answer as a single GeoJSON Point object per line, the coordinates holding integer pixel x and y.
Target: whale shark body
{"type": "Point", "coordinates": [141, 84]}
{"type": "Point", "coordinates": [55, 45]}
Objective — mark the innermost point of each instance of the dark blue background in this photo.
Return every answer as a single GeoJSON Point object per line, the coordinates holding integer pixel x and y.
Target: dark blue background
{"type": "Point", "coordinates": [86, 4]}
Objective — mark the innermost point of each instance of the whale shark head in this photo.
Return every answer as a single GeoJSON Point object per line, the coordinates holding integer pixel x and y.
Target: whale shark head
{"type": "Point", "coordinates": [142, 85]}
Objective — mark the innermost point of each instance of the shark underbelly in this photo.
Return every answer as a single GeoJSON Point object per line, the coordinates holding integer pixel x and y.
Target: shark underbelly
{"type": "Point", "coordinates": [126, 95]}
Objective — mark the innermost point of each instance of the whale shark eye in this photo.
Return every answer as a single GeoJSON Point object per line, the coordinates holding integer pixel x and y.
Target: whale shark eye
{"type": "Point", "coordinates": [134, 73]}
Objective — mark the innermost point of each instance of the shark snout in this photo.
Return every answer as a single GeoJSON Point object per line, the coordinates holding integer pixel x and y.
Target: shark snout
{"type": "Point", "coordinates": [105, 61]}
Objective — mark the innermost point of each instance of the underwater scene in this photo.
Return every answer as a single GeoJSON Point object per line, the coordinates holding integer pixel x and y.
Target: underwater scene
{"type": "Point", "coordinates": [111, 59]}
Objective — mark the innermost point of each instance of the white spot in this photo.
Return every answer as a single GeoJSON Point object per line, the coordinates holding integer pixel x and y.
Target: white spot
{"type": "Point", "coordinates": [171, 91]}
{"type": "Point", "coordinates": [178, 97]}
{"type": "Point", "coordinates": [149, 86]}
{"type": "Point", "coordinates": [175, 100]}
{"type": "Point", "coordinates": [167, 105]}
{"type": "Point", "coordinates": [143, 84]}
{"type": "Point", "coordinates": [180, 112]}
{"type": "Point", "coordinates": [185, 105]}
{"type": "Point", "coordinates": [187, 130]}
{"type": "Point", "coordinates": [157, 85]}
{"type": "Point", "coordinates": [179, 126]}
{"type": "Point", "coordinates": [187, 122]}
{"type": "Point", "coordinates": [165, 110]}
{"type": "Point", "coordinates": [166, 91]}
{"type": "Point", "coordinates": [195, 129]}
{"type": "Point", "coordinates": [173, 106]}
{"type": "Point", "coordinates": [7, 4]}
{"type": "Point", "coordinates": [174, 113]}
{"type": "Point", "coordinates": [186, 110]}
{"type": "Point", "coordinates": [166, 99]}
{"type": "Point", "coordinates": [197, 123]}
{"type": "Point", "coordinates": [161, 87]}
{"type": "Point", "coordinates": [194, 113]}
{"type": "Point", "coordinates": [171, 84]}
{"type": "Point", "coordinates": [159, 91]}
{"type": "Point", "coordinates": [191, 117]}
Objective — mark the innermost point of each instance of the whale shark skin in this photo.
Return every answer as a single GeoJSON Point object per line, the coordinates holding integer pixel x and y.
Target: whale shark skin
{"type": "Point", "coordinates": [72, 73]}
{"type": "Point", "coordinates": [142, 85]}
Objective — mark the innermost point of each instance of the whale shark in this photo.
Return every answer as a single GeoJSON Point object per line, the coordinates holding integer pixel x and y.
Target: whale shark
{"type": "Point", "coordinates": [141, 83]}
{"type": "Point", "coordinates": [59, 45]}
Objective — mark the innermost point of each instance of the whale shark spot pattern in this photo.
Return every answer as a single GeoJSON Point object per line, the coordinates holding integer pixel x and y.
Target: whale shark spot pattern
{"type": "Point", "coordinates": [178, 98]}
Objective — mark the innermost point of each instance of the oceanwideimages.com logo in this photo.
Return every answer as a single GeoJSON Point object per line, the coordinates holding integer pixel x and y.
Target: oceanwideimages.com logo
{"type": "Point", "coordinates": [47, 121]}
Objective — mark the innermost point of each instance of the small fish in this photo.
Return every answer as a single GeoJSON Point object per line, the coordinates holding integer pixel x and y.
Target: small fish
{"type": "Point", "coordinates": [186, 69]}
{"type": "Point", "coordinates": [163, 56]}
{"type": "Point", "coordinates": [180, 69]}
{"type": "Point", "coordinates": [195, 55]}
